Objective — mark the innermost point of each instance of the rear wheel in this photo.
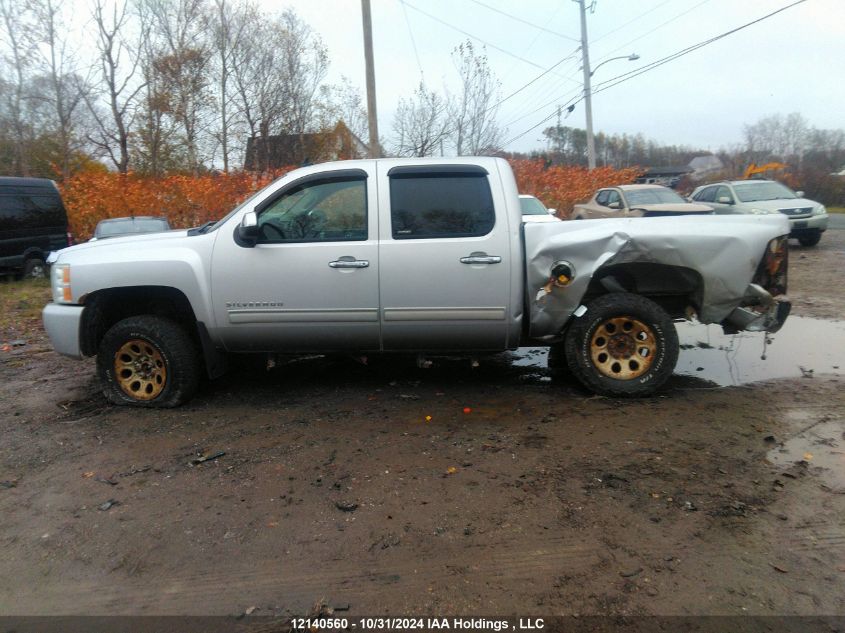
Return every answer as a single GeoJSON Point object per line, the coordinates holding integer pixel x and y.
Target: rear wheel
{"type": "Point", "coordinates": [148, 361]}
{"type": "Point", "coordinates": [623, 345]}
{"type": "Point", "coordinates": [810, 239]}
{"type": "Point", "coordinates": [35, 268]}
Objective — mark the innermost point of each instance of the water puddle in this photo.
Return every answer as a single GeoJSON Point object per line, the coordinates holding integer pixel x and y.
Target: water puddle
{"type": "Point", "coordinates": [803, 348]}
{"type": "Point", "coordinates": [819, 449]}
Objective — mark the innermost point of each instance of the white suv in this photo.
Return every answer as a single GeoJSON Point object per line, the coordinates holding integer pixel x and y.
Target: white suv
{"type": "Point", "coordinates": [807, 219]}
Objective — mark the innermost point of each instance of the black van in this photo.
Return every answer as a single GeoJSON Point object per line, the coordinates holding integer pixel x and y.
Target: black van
{"type": "Point", "coordinates": [33, 222]}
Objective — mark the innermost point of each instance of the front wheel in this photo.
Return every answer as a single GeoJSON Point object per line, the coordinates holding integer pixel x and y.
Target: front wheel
{"type": "Point", "coordinates": [810, 239]}
{"type": "Point", "coordinates": [148, 361]}
{"type": "Point", "coordinates": [623, 345]}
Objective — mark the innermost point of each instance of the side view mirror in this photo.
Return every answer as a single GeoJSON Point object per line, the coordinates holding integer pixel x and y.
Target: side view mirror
{"type": "Point", "coordinates": [247, 231]}
{"type": "Point", "coordinates": [724, 200]}
{"type": "Point", "coordinates": [615, 205]}
{"type": "Point", "coordinates": [800, 194]}
{"type": "Point", "coordinates": [552, 211]}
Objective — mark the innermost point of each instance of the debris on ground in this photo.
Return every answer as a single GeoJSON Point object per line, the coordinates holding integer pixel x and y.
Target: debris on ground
{"type": "Point", "coordinates": [806, 373]}
{"type": "Point", "coordinates": [782, 570]}
{"type": "Point", "coordinates": [110, 481]}
{"type": "Point", "coordinates": [207, 457]}
{"type": "Point", "coordinates": [346, 506]}
{"type": "Point", "coordinates": [108, 505]}
{"type": "Point", "coordinates": [9, 483]}
{"type": "Point", "coordinates": [632, 573]}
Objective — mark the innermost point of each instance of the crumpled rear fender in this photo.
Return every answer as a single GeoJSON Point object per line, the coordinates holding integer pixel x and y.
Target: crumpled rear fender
{"type": "Point", "coordinates": [723, 250]}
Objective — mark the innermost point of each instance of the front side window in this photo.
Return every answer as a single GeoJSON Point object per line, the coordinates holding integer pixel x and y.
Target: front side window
{"type": "Point", "coordinates": [705, 195]}
{"type": "Point", "coordinates": [613, 196]}
{"type": "Point", "coordinates": [317, 211]}
{"type": "Point", "coordinates": [432, 205]}
{"type": "Point", "coordinates": [601, 197]}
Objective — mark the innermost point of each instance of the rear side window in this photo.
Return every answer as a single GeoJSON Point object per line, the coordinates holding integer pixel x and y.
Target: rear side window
{"type": "Point", "coordinates": [437, 205]}
{"type": "Point", "coordinates": [31, 210]}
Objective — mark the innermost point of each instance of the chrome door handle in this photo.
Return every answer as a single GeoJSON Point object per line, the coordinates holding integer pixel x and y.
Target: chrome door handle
{"type": "Point", "coordinates": [481, 259]}
{"type": "Point", "coordinates": [349, 263]}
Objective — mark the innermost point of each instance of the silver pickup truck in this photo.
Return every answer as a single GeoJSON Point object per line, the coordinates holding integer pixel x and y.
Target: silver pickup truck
{"type": "Point", "coordinates": [428, 256]}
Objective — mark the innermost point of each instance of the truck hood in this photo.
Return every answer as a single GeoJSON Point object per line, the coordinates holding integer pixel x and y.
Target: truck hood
{"type": "Point", "coordinates": [675, 207]}
{"type": "Point", "coordinates": [723, 250]}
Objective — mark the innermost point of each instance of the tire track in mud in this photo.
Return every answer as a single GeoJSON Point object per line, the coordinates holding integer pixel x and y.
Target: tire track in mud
{"type": "Point", "coordinates": [512, 567]}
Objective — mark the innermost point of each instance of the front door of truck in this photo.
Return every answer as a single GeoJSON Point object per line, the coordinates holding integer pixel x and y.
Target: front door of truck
{"type": "Point", "coordinates": [445, 261]}
{"type": "Point", "coordinates": [310, 283]}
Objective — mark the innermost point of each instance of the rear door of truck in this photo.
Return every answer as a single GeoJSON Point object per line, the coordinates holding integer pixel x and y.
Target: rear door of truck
{"type": "Point", "coordinates": [445, 257]}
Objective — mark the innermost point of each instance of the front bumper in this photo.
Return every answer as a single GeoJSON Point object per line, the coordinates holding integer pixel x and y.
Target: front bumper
{"type": "Point", "coordinates": [768, 315]}
{"type": "Point", "coordinates": [811, 223]}
{"type": "Point", "coordinates": [62, 325]}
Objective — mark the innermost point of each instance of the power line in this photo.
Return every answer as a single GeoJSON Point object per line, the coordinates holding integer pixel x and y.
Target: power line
{"type": "Point", "coordinates": [519, 19]}
{"type": "Point", "coordinates": [411, 33]}
{"type": "Point", "coordinates": [538, 77]}
{"type": "Point", "coordinates": [641, 15]}
{"type": "Point", "coordinates": [615, 81]}
{"type": "Point", "coordinates": [649, 32]}
{"type": "Point", "coordinates": [685, 51]}
{"type": "Point", "coordinates": [470, 35]}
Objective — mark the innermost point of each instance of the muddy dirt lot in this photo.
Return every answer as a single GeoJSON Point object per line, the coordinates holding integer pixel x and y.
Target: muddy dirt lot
{"type": "Point", "coordinates": [445, 491]}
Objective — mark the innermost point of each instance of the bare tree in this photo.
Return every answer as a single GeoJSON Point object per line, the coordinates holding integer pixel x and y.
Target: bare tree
{"type": "Point", "coordinates": [66, 87]}
{"type": "Point", "coordinates": [277, 72]}
{"type": "Point", "coordinates": [421, 124]}
{"type": "Point", "coordinates": [472, 111]}
{"type": "Point", "coordinates": [181, 63]}
{"type": "Point", "coordinates": [17, 51]}
{"type": "Point", "coordinates": [230, 26]}
{"type": "Point", "coordinates": [119, 80]}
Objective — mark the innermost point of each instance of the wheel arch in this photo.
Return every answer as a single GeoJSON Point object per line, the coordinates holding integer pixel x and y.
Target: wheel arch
{"type": "Point", "coordinates": [673, 288]}
{"type": "Point", "coordinates": [106, 307]}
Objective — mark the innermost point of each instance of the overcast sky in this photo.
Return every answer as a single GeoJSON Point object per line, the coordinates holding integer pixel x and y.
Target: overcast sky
{"type": "Point", "coordinates": [791, 62]}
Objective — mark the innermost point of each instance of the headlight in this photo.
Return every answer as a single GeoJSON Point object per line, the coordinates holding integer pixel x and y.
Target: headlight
{"type": "Point", "coordinates": [60, 282]}
{"type": "Point", "coordinates": [819, 210]}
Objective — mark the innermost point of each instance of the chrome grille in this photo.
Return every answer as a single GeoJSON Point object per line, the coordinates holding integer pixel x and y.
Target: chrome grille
{"type": "Point", "coordinates": [797, 211]}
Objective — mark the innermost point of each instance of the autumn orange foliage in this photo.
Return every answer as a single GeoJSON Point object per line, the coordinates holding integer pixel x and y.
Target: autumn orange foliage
{"type": "Point", "coordinates": [186, 201]}
{"type": "Point", "coordinates": [562, 186]}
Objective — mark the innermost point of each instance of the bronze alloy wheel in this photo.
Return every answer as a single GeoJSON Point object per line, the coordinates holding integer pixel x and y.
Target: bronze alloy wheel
{"type": "Point", "coordinates": [140, 369]}
{"type": "Point", "coordinates": [623, 348]}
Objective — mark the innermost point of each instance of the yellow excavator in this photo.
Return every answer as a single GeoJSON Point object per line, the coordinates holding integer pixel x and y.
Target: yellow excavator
{"type": "Point", "coordinates": [754, 170]}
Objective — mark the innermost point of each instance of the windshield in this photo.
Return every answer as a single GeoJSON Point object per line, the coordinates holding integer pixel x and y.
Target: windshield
{"type": "Point", "coordinates": [653, 196]}
{"type": "Point", "coordinates": [757, 191]}
{"type": "Point", "coordinates": [532, 206]}
{"type": "Point", "coordinates": [127, 226]}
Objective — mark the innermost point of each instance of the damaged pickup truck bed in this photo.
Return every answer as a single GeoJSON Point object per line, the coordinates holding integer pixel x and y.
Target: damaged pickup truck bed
{"type": "Point", "coordinates": [409, 255]}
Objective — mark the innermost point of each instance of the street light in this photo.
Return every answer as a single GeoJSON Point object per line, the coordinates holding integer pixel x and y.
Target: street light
{"type": "Point", "coordinates": [631, 58]}
{"type": "Point", "coordinates": [588, 98]}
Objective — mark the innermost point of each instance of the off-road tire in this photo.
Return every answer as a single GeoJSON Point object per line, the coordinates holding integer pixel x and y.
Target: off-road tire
{"type": "Point", "coordinates": [580, 335]}
{"type": "Point", "coordinates": [35, 268]}
{"type": "Point", "coordinates": [180, 355]}
{"type": "Point", "coordinates": [810, 239]}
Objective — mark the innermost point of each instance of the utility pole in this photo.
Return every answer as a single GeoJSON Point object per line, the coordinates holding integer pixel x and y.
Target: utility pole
{"type": "Point", "coordinates": [588, 100]}
{"type": "Point", "coordinates": [372, 116]}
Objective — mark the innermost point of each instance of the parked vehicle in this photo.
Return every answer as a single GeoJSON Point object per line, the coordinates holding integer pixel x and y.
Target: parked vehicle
{"type": "Point", "coordinates": [33, 222]}
{"type": "Point", "coordinates": [637, 201]}
{"type": "Point", "coordinates": [428, 256]}
{"type": "Point", "coordinates": [535, 211]}
{"type": "Point", "coordinates": [134, 225]}
{"type": "Point", "coordinates": [807, 218]}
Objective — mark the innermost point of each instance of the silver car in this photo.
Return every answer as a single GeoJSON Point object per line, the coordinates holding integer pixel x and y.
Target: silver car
{"type": "Point", "coordinates": [807, 218]}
